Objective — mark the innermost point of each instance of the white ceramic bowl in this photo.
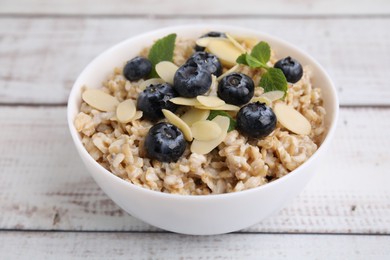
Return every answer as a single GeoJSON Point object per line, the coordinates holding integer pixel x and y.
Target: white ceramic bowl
{"type": "Point", "coordinates": [208, 214]}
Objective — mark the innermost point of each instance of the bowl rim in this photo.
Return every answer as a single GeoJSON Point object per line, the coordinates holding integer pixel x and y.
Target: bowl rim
{"type": "Point", "coordinates": [210, 197]}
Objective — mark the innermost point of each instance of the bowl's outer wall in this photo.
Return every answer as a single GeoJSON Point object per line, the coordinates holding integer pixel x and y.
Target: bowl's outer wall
{"type": "Point", "coordinates": [207, 217]}
{"type": "Point", "coordinates": [198, 215]}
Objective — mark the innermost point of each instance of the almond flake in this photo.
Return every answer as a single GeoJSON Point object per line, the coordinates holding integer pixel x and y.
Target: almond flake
{"type": "Point", "coordinates": [225, 51]}
{"type": "Point", "coordinates": [292, 119]}
{"type": "Point", "coordinates": [185, 101]}
{"type": "Point", "coordinates": [210, 101]}
{"type": "Point", "coordinates": [166, 70]}
{"type": "Point", "coordinates": [138, 115]}
{"type": "Point", "coordinates": [149, 82]}
{"type": "Point", "coordinates": [213, 87]}
{"type": "Point", "coordinates": [204, 42]}
{"type": "Point", "coordinates": [204, 147]}
{"type": "Point", "coordinates": [247, 41]}
{"type": "Point", "coordinates": [231, 70]}
{"type": "Point", "coordinates": [194, 115]}
{"type": "Point", "coordinates": [273, 95]}
{"type": "Point", "coordinates": [100, 100]}
{"type": "Point", "coordinates": [227, 107]}
{"type": "Point", "coordinates": [125, 111]}
{"type": "Point", "coordinates": [175, 120]}
{"type": "Point", "coordinates": [261, 99]}
{"type": "Point", "coordinates": [205, 130]}
{"type": "Point", "coordinates": [236, 43]}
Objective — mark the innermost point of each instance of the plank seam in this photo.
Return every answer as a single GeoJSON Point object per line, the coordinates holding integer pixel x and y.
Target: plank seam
{"type": "Point", "coordinates": [196, 16]}
{"type": "Point", "coordinates": [167, 232]}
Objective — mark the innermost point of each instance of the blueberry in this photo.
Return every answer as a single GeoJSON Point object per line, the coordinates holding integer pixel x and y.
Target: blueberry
{"type": "Point", "coordinates": [256, 120]}
{"type": "Point", "coordinates": [214, 34]}
{"type": "Point", "coordinates": [236, 89]}
{"type": "Point", "coordinates": [137, 68]}
{"type": "Point", "coordinates": [165, 142]}
{"type": "Point", "coordinates": [291, 68]}
{"type": "Point", "coordinates": [210, 34]}
{"type": "Point", "coordinates": [155, 98]}
{"type": "Point", "coordinates": [207, 61]}
{"type": "Point", "coordinates": [191, 80]}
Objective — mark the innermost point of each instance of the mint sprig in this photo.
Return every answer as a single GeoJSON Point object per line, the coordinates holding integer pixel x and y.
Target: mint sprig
{"type": "Point", "coordinates": [162, 50]}
{"type": "Point", "coordinates": [249, 60]}
{"type": "Point", "coordinates": [262, 52]}
{"type": "Point", "coordinates": [273, 78]}
{"type": "Point", "coordinates": [214, 113]}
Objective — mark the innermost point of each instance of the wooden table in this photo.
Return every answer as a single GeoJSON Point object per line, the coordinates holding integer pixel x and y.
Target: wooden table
{"type": "Point", "coordinates": [50, 206]}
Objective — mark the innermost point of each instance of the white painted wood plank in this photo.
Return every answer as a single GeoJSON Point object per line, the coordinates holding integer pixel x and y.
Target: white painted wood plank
{"type": "Point", "coordinates": [41, 58]}
{"type": "Point", "coordinates": [49, 245]}
{"type": "Point", "coordinates": [195, 7]}
{"type": "Point", "coordinates": [43, 184]}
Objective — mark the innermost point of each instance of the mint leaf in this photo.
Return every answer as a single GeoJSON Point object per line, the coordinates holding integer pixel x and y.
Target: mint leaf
{"type": "Point", "coordinates": [274, 79]}
{"type": "Point", "coordinates": [214, 113]}
{"type": "Point", "coordinates": [250, 61]}
{"type": "Point", "coordinates": [253, 62]}
{"type": "Point", "coordinates": [262, 52]}
{"type": "Point", "coordinates": [242, 59]}
{"type": "Point", "coordinates": [162, 50]}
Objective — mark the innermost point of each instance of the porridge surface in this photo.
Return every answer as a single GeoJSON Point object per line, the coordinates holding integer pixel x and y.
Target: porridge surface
{"type": "Point", "coordinates": [238, 163]}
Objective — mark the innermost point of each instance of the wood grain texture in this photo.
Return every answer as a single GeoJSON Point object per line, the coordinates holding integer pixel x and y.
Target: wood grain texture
{"type": "Point", "coordinates": [44, 186]}
{"type": "Point", "coordinates": [195, 7]}
{"type": "Point", "coordinates": [49, 245]}
{"type": "Point", "coordinates": [41, 58]}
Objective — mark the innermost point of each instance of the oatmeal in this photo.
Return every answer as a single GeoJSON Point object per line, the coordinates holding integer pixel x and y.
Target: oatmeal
{"type": "Point", "coordinates": [218, 147]}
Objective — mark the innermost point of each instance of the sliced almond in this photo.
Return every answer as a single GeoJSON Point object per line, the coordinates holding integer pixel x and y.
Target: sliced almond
{"type": "Point", "coordinates": [236, 43]}
{"type": "Point", "coordinates": [249, 42]}
{"type": "Point", "coordinates": [194, 115]}
{"type": "Point", "coordinates": [100, 100]}
{"type": "Point", "coordinates": [125, 111]}
{"type": "Point", "coordinates": [213, 87]}
{"type": "Point", "coordinates": [210, 101]}
{"type": "Point", "coordinates": [261, 99]}
{"type": "Point", "coordinates": [227, 107]}
{"type": "Point", "coordinates": [204, 42]}
{"type": "Point", "coordinates": [185, 101]}
{"type": "Point", "coordinates": [175, 120]}
{"type": "Point", "coordinates": [231, 70]}
{"type": "Point", "coordinates": [205, 130]}
{"type": "Point", "coordinates": [149, 82]}
{"type": "Point", "coordinates": [273, 95]}
{"type": "Point", "coordinates": [204, 147]}
{"type": "Point", "coordinates": [166, 70]}
{"type": "Point", "coordinates": [292, 119]}
{"type": "Point", "coordinates": [138, 115]}
{"type": "Point", "coordinates": [214, 81]}
{"type": "Point", "coordinates": [225, 51]}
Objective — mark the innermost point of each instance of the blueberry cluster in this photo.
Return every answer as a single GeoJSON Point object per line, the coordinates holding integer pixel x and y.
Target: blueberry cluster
{"type": "Point", "coordinates": [164, 141]}
{"type": "Point", "coordinates": [193, 78]}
